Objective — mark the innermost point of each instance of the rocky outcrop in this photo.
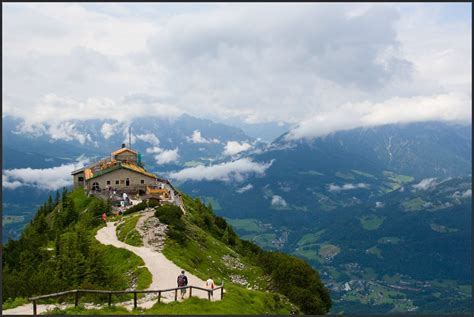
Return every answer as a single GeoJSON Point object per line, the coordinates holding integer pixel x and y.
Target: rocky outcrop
{"type": "Point", "coordinates": [151, 230]}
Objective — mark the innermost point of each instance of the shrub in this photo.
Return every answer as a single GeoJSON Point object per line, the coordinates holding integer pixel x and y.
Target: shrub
{"type": "Point", "coordinates": [152, 203]}
{"type": "Point", "coordinates": [136, 208]}
{"type": "Point", "coordinates": [171, 215]}
{"type": "Point", "coordinates": [12, 303]}
{"type": "Point", "coordinates": [297, 280]}
{"type": "Point", "coordinates": [220, 222]}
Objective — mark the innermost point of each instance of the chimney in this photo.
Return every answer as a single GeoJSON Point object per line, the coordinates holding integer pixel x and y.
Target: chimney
{"type": "Point", "coordinates": [123, 145]}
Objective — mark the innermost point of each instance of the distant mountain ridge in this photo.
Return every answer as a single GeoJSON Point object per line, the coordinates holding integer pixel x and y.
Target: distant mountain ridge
{"type": "Point", "coordinates": [422, 149]}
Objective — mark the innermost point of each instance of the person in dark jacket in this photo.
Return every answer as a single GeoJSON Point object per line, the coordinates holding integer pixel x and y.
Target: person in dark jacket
{"type": "Point", "coordinates": [182, 281]}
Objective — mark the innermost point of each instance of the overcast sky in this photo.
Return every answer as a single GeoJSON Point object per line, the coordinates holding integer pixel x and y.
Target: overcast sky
{"type": "Point", "coordinates": [323, 67]}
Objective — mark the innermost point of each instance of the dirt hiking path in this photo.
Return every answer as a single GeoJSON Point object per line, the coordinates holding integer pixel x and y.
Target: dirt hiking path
{"type": "Point", "coordinates": [164, 274]}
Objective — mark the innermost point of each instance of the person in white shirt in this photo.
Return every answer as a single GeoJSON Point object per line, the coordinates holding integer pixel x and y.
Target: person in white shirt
{"type": "Point", "coordinates": [210, 284]}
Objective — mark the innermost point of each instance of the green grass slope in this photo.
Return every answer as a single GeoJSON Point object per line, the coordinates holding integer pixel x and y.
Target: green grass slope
{"type": "Point", "coordinates": [57, 252]}
{"type": "Point", "coordinates": [206, 245]}
{"type": "Point", "coordinates": [256, 281]}
{"type": "Point", "coordinates": [127, 233]}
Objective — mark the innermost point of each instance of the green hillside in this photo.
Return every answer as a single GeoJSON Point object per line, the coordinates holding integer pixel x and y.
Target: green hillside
{"type": "Point", "coordinates": [58, 252]}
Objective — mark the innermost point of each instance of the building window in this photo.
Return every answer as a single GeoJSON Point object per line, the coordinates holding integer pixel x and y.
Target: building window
{"type": "Point", "coordinates": [80, 178]}
{"type": "Point", "coordinates": [127, 182]}
{"type": "Point", "coordinates": [108, 182]}
{"type": "Point", "coordinates": [117, 182]}
{"type": "Point", "coordinates": [142, 181]}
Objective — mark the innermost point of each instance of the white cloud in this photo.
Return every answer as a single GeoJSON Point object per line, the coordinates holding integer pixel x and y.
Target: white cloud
{"type": "Point", "coordinates": [107, 130]}
{"type": "Point", "coordinates": [149, 137]}
{"type": "Point", "coordinates": [58, 112]}
{"type": "Point", "coordinates": [466, 194]}
{"type": "Point", "coordinates": [349, 186]}
{"type": "Point", "coordinates": [304, 63]}
{"type": "Point", "coordinates": [59, 27]}
{"type": "Point", "coordinates": [237, 170]}
{"type": "Point", "coordinates": [196, 137]}
{"type": "Point", "coordinates": [47, 178]}
{"type": "Point", "coordinates": [425, 184]}
{"type": "Point", "coordinates": [66, 131]}
{"type": "Point", "coordinates": [154, 149]}
{"type": "Point", "coordinates": [7, 183]}
{"type": "Point", "coordinates": [445, 107]}
{"type": "Point", "coordinates": [167, 156]}
{"type": "Point", "coordinates": [278, 201]}
{"type": "Point", "coordinates": [234, 147]}
{"type": "Point", "coordinates": [244, 188]}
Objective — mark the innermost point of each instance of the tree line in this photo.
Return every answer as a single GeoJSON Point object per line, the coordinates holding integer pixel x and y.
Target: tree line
{"type": "Point", "coordinates": [57, 250]}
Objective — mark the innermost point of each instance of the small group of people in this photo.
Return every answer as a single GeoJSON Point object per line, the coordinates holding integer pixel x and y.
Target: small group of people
{"type": "Point", "coordinates": [183, 281]}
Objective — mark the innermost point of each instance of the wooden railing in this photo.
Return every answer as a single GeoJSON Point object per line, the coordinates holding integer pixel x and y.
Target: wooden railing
{"type": "Point", "coordinates": [78, 292]}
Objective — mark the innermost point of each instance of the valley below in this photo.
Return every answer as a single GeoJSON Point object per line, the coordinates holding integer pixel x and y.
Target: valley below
{"type": "Point", "coordinates": [383, 214]}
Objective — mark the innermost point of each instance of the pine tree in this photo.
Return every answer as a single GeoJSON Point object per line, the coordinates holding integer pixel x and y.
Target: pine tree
{"type": "Point", "coordinates": [64, 194]}
{"type": "Point", "coordinates": [56, 200]}
{"type": "Point", "coordinates": [225, 236]}
{"type": "Point", "coordinates": [49, 204]}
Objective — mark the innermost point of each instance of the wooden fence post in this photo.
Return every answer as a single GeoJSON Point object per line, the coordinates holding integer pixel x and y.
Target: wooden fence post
{"type": "Point", "coordinates": [135, 299]}
{"type": "Point", "coordinates": [159, 296]}
{"type": "Point", "coordinates": [110, 299]}
{"type": "Point", "coordinates": [175, 295]}
{"type": "Point", "coordinates": [209, 295]}
{"type": "Point", "coordinates": [222, 292]}
{"type": "Point", "coordinates": [190, 291]}
{"type": "Point", "coordinates": [76, 300]}
{"type": "Point", "coordinates": [34, 308]}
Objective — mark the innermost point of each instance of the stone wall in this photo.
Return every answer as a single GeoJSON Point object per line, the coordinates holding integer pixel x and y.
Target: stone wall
{"type": "Point", "coordinates": [122, 175]}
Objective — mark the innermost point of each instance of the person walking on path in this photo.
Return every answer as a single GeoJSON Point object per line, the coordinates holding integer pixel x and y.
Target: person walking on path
{"type": "Point", "coordinates": [210, 284]}
{"type": "Point", "coordinates": [104, 217]}
{"type": "Point", "coordinates": [182, 281]}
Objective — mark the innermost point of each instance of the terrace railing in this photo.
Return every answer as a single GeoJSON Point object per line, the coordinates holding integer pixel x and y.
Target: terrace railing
{"type": "Point", "coordinates": [78, 292]}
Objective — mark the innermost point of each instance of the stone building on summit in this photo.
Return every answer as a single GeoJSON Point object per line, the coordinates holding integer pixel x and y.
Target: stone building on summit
{"type": "Point", "coordinates": [122, 171]}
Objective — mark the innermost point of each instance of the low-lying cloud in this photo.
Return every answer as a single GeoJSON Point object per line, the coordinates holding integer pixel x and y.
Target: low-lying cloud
{"type": "Point", "coordinates": [53, 109]}
{"type": "Point", "coordinates": [443, 107]}
{"type": "Point", "coordinates": [107, 130]}
{"type": "Point", "coordinates": [349, 186]}
{"type": "Point", "coordinates": [167, 156]}
{"type": "Point", "coordinates": [465, 194]}
{"type": "Point", "coordinates": [149, 138]}
{"type": "Point", "coordinates": [237, 170]}
{"type": "Point", "coordinates": [197, 138]}
{"type": "Point", "coordinates": [52, 178]}
{"type": "Point", "coordinates": [234, 147]}
{"type": "Point", "coordinates": [244, 188]}
{"type": "Point", "coordinates": [278, 201]}
{"type": "Point", "coordinates": [426, 183]}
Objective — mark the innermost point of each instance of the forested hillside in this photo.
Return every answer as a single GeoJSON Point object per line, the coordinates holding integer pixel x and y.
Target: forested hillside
{"type": "Point", "coordinates": [57, 252]}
